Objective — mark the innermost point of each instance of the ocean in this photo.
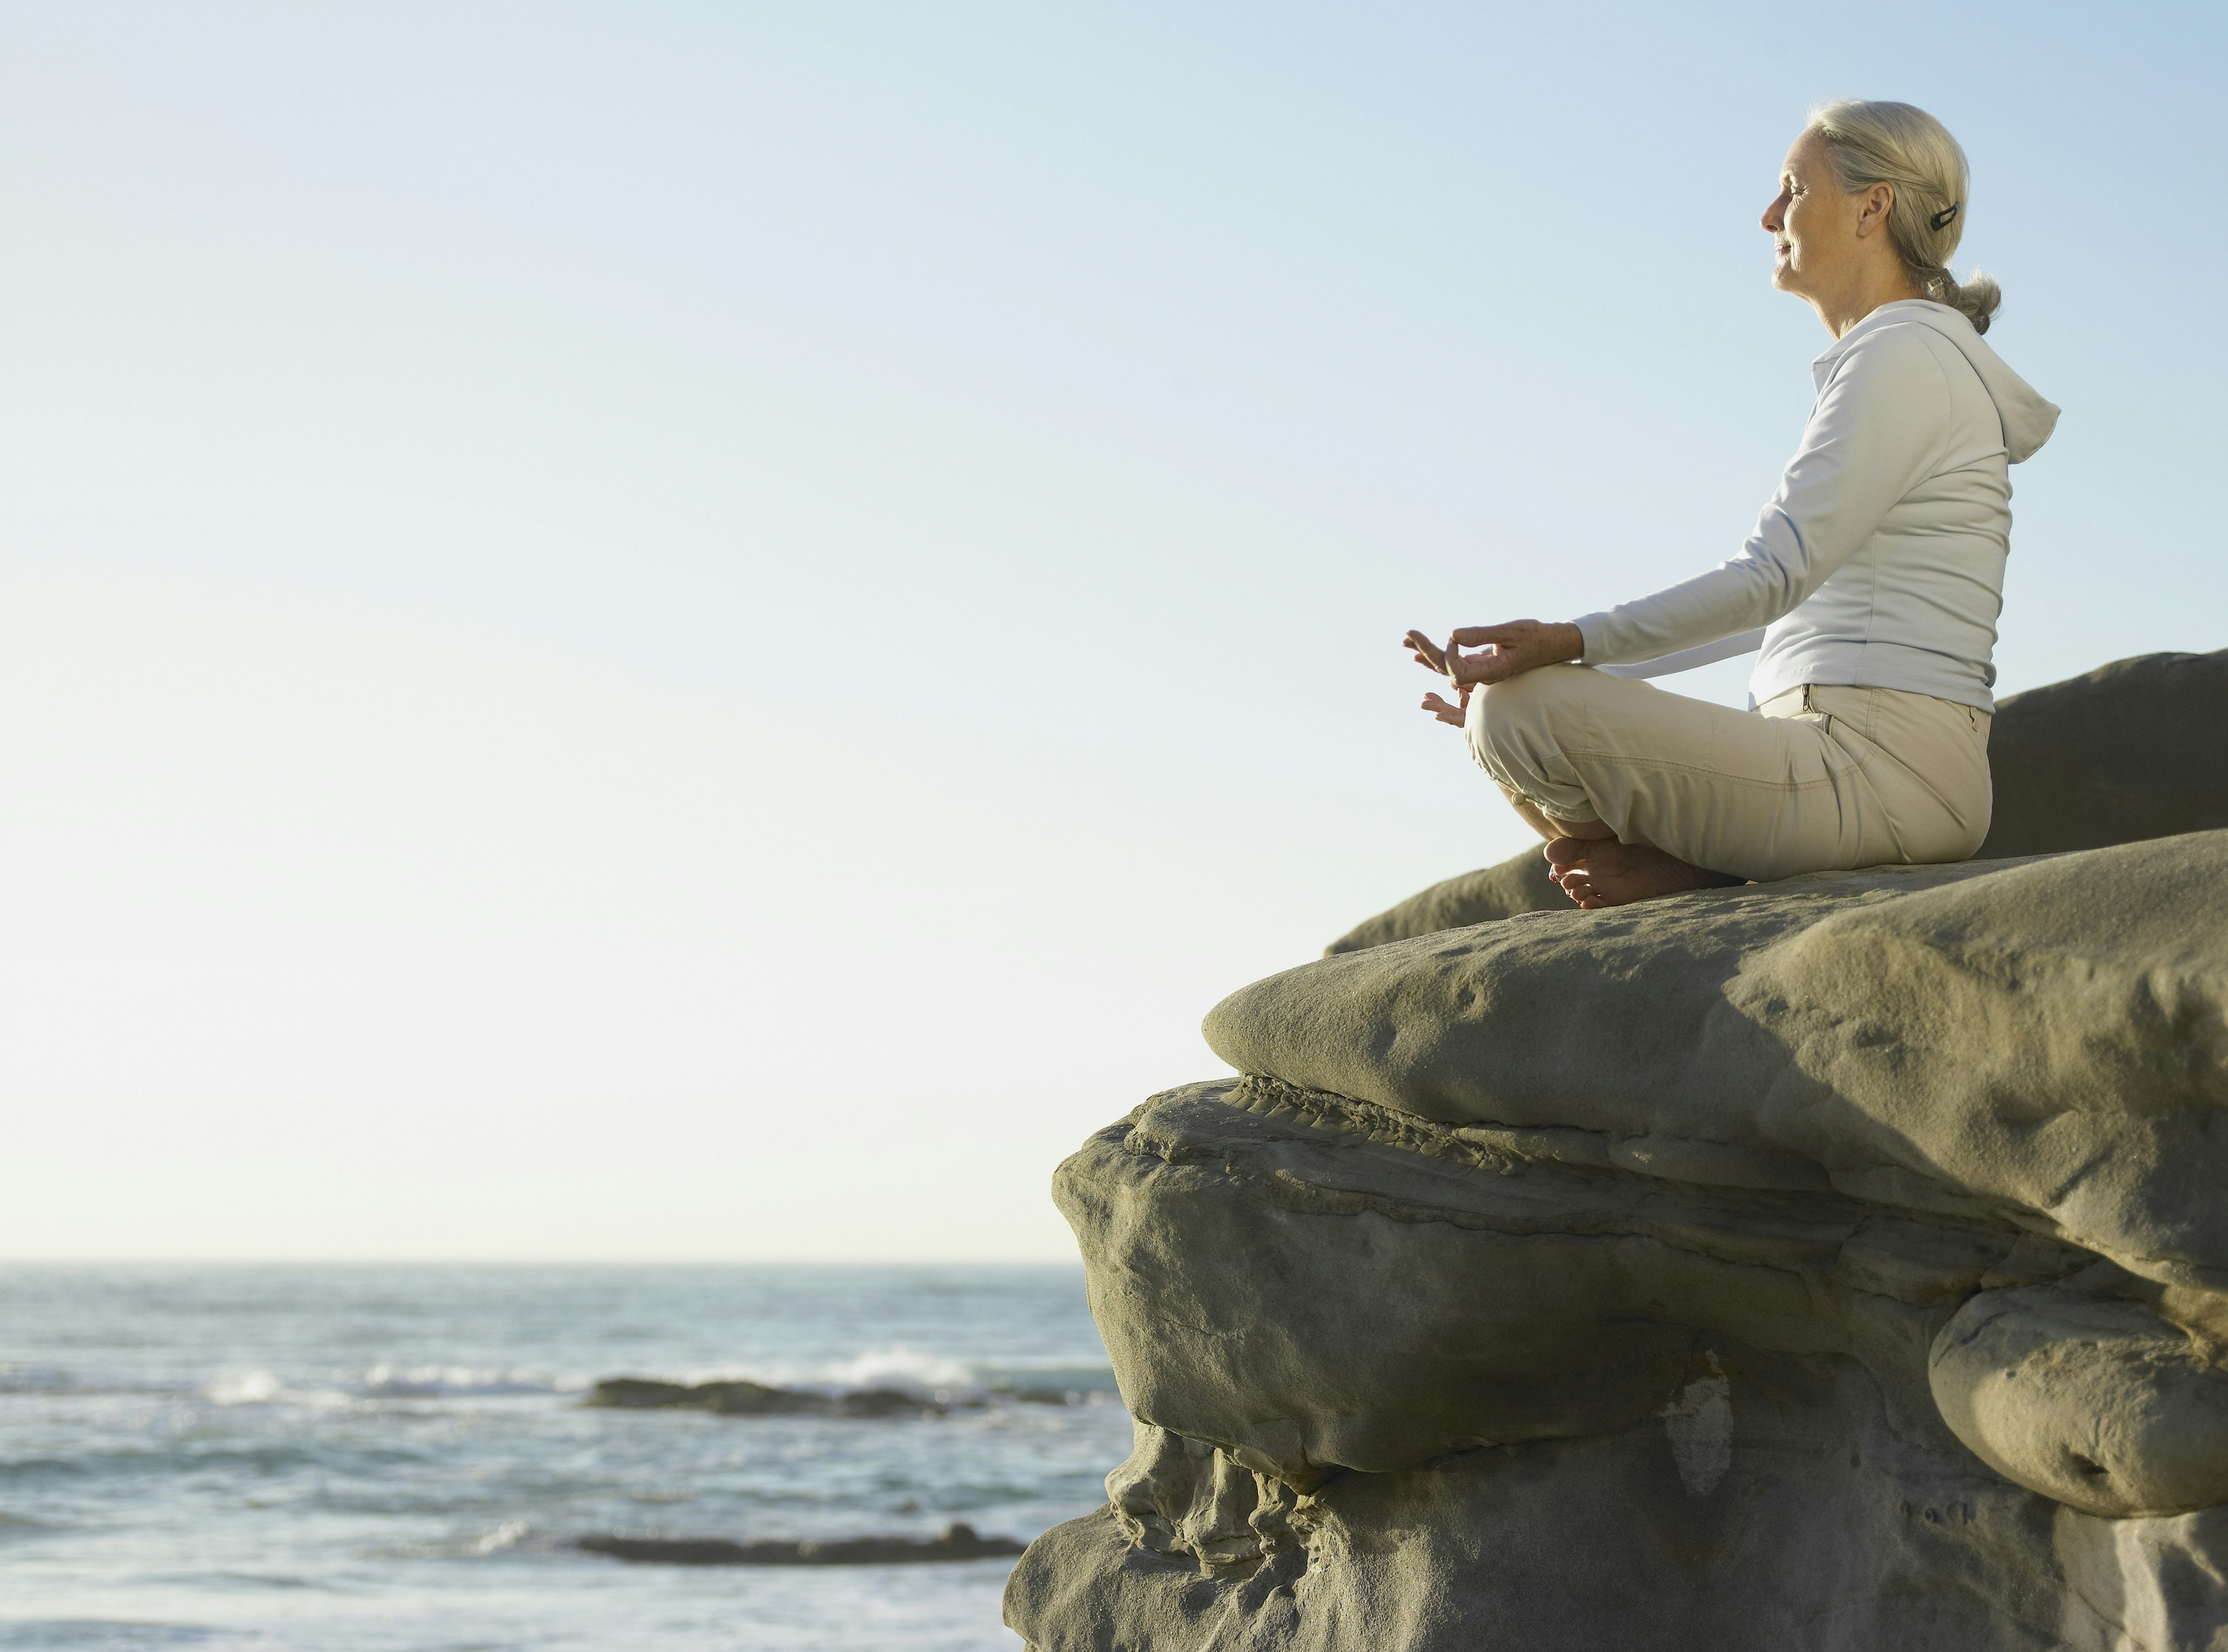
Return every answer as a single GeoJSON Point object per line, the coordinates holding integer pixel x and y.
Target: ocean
{"type": "Point", "coordinates": [370, 1459]}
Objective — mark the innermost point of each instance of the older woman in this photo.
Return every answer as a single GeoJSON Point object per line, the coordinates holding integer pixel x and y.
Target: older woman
{"type": "Point", "coordinates": [1872, 581]}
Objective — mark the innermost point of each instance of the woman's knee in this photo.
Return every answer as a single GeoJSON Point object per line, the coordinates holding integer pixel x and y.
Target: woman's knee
{"type": "Point", "coordinates": [1520, 721]}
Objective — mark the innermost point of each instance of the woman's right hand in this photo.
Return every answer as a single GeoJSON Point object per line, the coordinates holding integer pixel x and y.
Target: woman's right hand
{"type": "Point", "coordinates": [1503, 651]}
{"type": "Point", "coordinates": [1457, 712]}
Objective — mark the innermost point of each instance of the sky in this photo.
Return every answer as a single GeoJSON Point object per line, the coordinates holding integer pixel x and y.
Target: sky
{"type": "Point", "coordinates": [704, 631]}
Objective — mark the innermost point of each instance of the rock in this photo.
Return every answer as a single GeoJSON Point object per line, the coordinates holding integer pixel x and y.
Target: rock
{"type": "Point", "coordinates": [958, 1542]}
{"type": "Point", "coordinates": [2088, 1397]}
{"type": "Point", "coordinates": [1039, 1396]}
{"type": "Point", "coordinates": [1824, 1533]}
{"type": "Point", "coordinates": [2041, 1041]}
{"type": "Point", "coordinates": [734, 1399]}
{"type": "Point", "coordinates": [741, 1398]}
{"type": "Point", "coordinates": [1426, 1387]}
{"type": "Point", "coordinates": [1837, 1264]}
{"type": "Point", "coordinates": [1312, 1283]}
{"type": "Point", "coordinates": [1518, 884]}
{"type": "Point", "coordinates": [2135, 750]}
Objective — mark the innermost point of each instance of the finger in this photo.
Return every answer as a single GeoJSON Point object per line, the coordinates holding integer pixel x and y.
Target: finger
{"type": "Point", "coordinates": [1427, 652]}
{"type": "Point", "coordinates": [1485, 667]}
{"type": "Point", "coordinates": [1478, 636]}
{"type": "Point", "coordinates": [1445, 712]}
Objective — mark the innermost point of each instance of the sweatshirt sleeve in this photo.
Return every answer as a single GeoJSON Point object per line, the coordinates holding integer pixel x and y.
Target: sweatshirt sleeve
{"type": "Point", "coordinates": [1877, 426]}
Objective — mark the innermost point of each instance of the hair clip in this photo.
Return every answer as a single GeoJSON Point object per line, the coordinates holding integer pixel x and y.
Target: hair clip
{"type": "Point", "coordinates": [1941, 219]}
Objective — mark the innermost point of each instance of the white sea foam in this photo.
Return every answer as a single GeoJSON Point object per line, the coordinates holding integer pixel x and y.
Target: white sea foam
{"type": "Point", "coordinates": [906, 1370]}
{"type": "Point", "coordinates": [252, 1387]}
{"type": "Point", "coordinates": [903, 1370]}
{"type": "Point", "coordinates": [504, 1536]}
{"type": "Point", "coordinates": [258, 1385]}
{"type": "Point", "coordinates": [385, 1381]}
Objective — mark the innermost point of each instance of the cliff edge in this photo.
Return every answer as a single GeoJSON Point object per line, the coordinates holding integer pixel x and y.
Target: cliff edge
{"type": "Point", "coordinates": [1833, 1264]}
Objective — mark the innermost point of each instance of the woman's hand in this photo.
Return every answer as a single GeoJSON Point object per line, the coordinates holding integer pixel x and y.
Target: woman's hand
{"type": "Point", "coordinates": [1457, 714]}
{"type": "Point", "coordinates": [1503, 651]}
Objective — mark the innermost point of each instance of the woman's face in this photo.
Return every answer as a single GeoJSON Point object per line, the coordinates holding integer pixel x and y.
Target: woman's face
{"type": "Point", "coordinates": [1817, 232]}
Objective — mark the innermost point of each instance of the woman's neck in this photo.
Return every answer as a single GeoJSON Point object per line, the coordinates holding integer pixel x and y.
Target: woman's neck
{"type": "Point", "coordinates": [1869, 287]}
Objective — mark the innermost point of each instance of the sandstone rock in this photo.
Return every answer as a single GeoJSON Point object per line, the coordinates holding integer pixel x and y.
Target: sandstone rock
{"type": "Point", "coordinates": [2135, 750]}
{"type": "Point", "coordinates": [2087, 1397]}
{"type": "Point", "coordinates": [1833, 1263]}
{"type": "Point", "coordinates": [1426, 1388]}
{"type": "Point", "coordinates": [1312, 1283]}
{"type": "Point", "coordinates": [2041, 1041]}
{"type": "Point", "coordinates": [1823, 1533]}
{"type": "Point", "coordinates": [1517, 884]}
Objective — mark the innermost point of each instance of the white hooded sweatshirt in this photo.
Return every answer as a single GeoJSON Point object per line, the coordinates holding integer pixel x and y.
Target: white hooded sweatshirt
{"type": "Point", "coordinates": [1880, 562]}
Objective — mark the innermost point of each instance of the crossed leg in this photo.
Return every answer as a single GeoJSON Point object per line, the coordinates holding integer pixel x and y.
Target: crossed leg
{"type": "Point", "coordinates": [1590, 864]}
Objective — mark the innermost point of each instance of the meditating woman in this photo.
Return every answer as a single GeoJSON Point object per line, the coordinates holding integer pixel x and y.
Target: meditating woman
{"type": "Point", "coordinates": [1872, 581]}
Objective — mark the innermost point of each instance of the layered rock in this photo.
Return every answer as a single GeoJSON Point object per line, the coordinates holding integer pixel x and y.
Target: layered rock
{"type": "Point", "coordinates": [1834, 1263]}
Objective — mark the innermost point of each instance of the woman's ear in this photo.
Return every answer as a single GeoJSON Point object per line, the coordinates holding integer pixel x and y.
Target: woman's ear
{"type": "Point", "coordinates": [1879, 202]}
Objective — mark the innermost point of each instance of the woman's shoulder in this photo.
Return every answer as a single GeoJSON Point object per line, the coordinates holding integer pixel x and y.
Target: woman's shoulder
{"type": "Point", "coordinates": [1908, 325]}
{"type": "Point", "coordinates": [1899, 344]}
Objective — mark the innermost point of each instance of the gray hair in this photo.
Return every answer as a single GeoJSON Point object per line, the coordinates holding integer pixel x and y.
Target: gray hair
{"type": "Point", "coordinates": [1896, 144]}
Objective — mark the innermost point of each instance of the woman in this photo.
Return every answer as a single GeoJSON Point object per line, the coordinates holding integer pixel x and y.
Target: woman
{"type": "Point", "coordinates": [1872, 581]}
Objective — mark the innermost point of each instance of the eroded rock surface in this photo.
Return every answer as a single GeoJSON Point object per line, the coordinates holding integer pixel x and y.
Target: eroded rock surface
{"type": "Point", "coordinates": [1517, 884]}
{"type": "Point", "coordinates": [1836, 1263]}
{"type": "Point", "coordinates": [2133, 750]}
{"type": "Point", "coordinates": [2042, 1040]}
{"type": "Point", "coordinates": [1405, 1385]}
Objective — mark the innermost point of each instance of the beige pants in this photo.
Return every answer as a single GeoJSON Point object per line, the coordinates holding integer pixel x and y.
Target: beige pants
{"type": "Point", "coordinates": [1813, 779]}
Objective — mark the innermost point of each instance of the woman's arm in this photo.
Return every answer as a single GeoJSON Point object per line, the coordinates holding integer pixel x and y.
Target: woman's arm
{"type": "Point", "coordinates": [1875, 433]}
{"type": "Point", "coordinates": [1687, 658]}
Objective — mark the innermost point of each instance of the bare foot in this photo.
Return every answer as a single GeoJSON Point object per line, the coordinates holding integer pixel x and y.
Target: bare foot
{"type": "Point", "coordinates": [1598, 872]}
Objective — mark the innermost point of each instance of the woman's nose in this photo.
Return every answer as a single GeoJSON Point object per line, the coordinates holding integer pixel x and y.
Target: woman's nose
{"type": "Point", "coordinates": [1772, 214]}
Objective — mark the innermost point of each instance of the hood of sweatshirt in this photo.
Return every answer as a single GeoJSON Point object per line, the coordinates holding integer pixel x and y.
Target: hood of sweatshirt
{"type": "Point", "coordinates": [2029, 420]}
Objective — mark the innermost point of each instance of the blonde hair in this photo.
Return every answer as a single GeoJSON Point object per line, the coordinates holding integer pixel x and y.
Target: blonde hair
{"type": "Point", "coordinates": [1896, 144]}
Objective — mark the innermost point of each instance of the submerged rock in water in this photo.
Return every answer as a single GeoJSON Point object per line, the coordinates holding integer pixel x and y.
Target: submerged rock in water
{"type": "Point", "coordinates": [958, 1542]}
{"type": "Point", "coordinates": [2134, 750]}
{"type": "Point", "coordinates": [1838, 1264]}
{"type": "Point", "coordinates": [742, 1399]}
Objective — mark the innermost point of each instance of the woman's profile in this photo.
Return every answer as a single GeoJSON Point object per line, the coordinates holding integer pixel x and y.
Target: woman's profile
{"type": "Point", "coordinates": [1872, 583]}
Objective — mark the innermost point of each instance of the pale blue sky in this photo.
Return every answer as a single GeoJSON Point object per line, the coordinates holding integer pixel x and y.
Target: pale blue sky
{"type": "Point", "coordinates": [706, 631]}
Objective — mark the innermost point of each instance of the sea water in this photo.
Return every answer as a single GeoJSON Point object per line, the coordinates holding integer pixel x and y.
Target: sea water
{"type": "Point", "coordinates": [368, 1459]}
